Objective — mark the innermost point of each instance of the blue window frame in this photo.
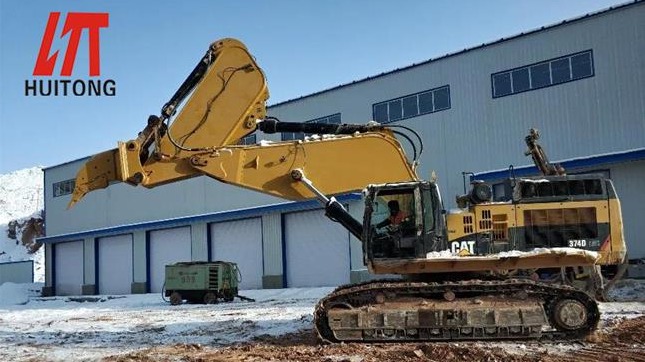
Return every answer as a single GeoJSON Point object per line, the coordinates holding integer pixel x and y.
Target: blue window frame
{"type": "Point", "coordinates": [412, 105]}
{"type": "Point", "coordinates": [331, 119]}
{"type": "Point", "coordinates": [543, 74]}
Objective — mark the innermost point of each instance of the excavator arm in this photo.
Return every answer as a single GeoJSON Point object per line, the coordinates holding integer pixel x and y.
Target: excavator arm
{"type": "Point", "coordinates": [226, 95]}
{"type": "Point", "coordinates": [539, 156]}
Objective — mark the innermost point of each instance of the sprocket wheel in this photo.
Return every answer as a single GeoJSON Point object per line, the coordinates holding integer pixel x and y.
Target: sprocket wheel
{"type": "Point", "coordinates": [569, 315]}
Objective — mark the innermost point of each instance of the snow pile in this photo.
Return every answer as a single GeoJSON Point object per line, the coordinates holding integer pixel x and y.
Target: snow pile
{"type": "Point", "coordinates": [317, 137]}
{"type": "Point", "coordinates": [539, 251]}
{"type": "Point", "coordinates": [443, 254]}
{"type": "Point", "coordinates": [541, 180]}
{"type": "Point", "coordinates": [447, 254]}
{"type": "Point", "coordinates": [21, 198]}
{"type": "Point", "coordinates": [21, 194]}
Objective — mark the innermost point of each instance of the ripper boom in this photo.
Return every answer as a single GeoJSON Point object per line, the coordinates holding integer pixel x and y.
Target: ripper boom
{"type": "Point", "coordinates": [68, 87]}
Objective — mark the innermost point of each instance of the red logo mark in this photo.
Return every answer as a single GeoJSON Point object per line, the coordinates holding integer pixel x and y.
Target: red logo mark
{"type": "Point", "coordinates": [75, 23]}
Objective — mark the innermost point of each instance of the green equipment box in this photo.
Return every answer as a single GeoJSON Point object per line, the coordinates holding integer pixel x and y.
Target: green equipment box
{"type": "Point", "coordinates": [201, 282]}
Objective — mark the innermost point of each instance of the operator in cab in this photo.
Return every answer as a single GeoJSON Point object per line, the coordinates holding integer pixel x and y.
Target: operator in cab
{"type": "Point", "coordinates": [397, 216]}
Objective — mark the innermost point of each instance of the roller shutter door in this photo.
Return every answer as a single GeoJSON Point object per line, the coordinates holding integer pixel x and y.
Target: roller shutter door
{"type": "Point", "coordinates": [240, 242]}
{"type": "Point", "coordinates": [167, 247]}
{"type": "Point", "coordinates": [317, 250]}
{"type": "Point", "coordinates": [115, 264]}
{"type": "Point", "coordinates": [68, 260]}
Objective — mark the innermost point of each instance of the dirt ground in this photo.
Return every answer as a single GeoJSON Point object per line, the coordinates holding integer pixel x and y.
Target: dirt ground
{"type": "Point", "coordinates": [625, 341]}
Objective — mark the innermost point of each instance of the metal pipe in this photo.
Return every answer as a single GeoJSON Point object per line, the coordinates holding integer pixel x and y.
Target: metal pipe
{"type": "Point", "coordinates": [273, 126]}
{"type": "Point", "coordinates": [333, 209]}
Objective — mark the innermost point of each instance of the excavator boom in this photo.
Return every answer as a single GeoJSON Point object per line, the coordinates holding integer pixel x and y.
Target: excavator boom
{"type": "Point", "coordinates": [226, 95]}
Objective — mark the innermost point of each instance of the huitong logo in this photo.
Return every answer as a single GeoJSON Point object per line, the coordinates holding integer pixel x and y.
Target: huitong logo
{"type": "Point", "coordinates": [73, 28]}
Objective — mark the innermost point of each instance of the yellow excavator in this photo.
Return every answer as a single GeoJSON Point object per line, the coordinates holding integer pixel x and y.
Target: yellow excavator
{"type": "Point", "coordinates": [523, 266]}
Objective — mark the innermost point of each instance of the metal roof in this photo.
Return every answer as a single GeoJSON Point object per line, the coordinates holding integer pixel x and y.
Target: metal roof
{"type": "Point", "coordinates": [483, 45]}
{"type": "Point", "coordinates": [66, 163]}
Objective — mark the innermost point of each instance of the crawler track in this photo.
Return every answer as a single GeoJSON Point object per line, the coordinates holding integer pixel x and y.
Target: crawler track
{"type": "Point", "coordinates": [403, 311]}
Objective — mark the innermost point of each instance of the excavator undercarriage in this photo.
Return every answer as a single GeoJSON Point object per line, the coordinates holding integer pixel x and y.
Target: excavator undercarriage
{"type": "Point", "coordinates": [462, 310]}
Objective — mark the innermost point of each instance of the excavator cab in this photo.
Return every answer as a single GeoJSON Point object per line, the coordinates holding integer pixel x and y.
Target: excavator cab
{"type": "Point", "coordinates": [402, 221]}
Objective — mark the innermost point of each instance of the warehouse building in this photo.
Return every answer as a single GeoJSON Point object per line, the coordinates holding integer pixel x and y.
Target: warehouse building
{"type": "Point", "coordinates": [581, 82]}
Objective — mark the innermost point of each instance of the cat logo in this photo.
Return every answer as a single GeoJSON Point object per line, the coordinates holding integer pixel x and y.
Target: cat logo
{"type": "Point", "coordinates": [466, 246]}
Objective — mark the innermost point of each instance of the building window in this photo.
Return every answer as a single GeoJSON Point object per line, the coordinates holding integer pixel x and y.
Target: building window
{"type": "Point", "coordinates": [249, 140]}
{"type": "Point", "coordinates": [412, 105]}
{"type": "Point", "coordinates": [544, 74]}
{"type": "Point", "coordinates": [332, 119]}
{"type": "Point", "coordinates": [64, 187]}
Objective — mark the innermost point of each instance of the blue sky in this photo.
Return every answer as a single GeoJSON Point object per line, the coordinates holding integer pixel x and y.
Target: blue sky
{"type": "Point", "coordinates": [303, 47]}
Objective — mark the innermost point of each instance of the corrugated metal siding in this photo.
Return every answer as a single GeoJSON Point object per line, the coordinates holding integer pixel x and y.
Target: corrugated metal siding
{"type": "Point", "coordinates": [604, 113]}
{"type": "Point", "coordinates": [49, 265]}
{"type": "Point", "coordinates": [272, 243]}
{"type": "Point", "coordinates": [139, 256]}
{"type": "Point", "coordinates": [89, 263]}
{"type": "Point", "coordinates": [629, 180]}
{"type": "Point", "coordinates": [199, 241]}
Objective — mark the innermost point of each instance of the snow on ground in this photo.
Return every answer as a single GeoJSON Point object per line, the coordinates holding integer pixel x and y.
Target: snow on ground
{"type": "Point", "coordinates": [21, 197]}
{"type": "Point", "coordinates": [92, 327]}
{"type": "Point", "coordinates": [63, 329]}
